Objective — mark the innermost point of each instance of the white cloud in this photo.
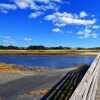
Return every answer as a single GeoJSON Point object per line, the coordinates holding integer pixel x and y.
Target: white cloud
{"type": "Point", "coordinates": [35, 14]}
{"type": "Point", "coordinates": [5, 7]}
{"type": "Point", "coordinates": [57, 0]}
{"type": "Point", "coordinates": [62, 19]}
{"type": "Point", "coordinates": [92, 15]}
{"type": "Point", "coordinates": [23, 4]}
{"type": "Point", "coordinates": [32, 4]}
{"type": "Point", "coordinates": [43, 1]}
{"type": "Point", "coordinates": [35, 5]}
{"type": "Point", "coordinates": [96, 27]}
{"type": "Point", "coordinates": [7, 39]}
{"type": "Point", "coordinates": [83, 14]}
{"type": "Point", "coordinates": [80, 32]}
{"type": "Point", "coordinates": [48, 1]}
{"type": "Point", "coordinates": [27, 39]}
{"type": "Point", "coordinates": [60, 25]}
{"type": "Point", "coordinates": [49, 6]}
{"type": "Point", "coordinates": [57, 30]}
{"type": "Point", "coordinates": [4, 11]}
{"type": "Point", "coordinates": [67, 2]}
{"type": "Point", "coordinates": [94, 35]}
{"type": "Point", "coordinates": [86, 33]}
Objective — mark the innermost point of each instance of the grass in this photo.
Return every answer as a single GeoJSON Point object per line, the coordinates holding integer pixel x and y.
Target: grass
{"type": "Point", "coordinates": [4, 67]}
{"type": "Point", "coordinates": [42, 92]}
{"type": "Point", "coordinates": [49, 52]}
{"type": "Point", "coordinates": [8, 67]}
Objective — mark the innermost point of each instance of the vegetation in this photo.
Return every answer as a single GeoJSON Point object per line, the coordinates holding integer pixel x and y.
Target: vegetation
{"type": "Point", "coordinates": [42, 50]}
{"type": "Point", "coordinates": [49, 52]}
{"type": "Point", "coordinates": [40, 47]}
{"type": "Point", "coordinates": [4, 67]}
{"type": "Point", "coordinates": [8, 67]}
{"type": "Point", "coordinates": [36, 48]}
{"type": "Point", "coordinates": [42, 91]}
{"type": "Point", "coordinates": [9, 47]}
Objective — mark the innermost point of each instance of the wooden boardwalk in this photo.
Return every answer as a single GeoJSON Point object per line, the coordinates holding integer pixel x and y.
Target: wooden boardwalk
{"type": "Point", "coordinates": [89, 87]}
{"type": "Point", "coordinates": [97, 97]}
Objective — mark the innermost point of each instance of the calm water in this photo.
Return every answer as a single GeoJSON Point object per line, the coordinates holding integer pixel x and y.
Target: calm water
{"type": "Point", "coordinates": [49, 61]}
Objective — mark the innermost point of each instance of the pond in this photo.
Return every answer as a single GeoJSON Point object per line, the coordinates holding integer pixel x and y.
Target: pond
{"type": "Point", "coordinates": [47, 60]}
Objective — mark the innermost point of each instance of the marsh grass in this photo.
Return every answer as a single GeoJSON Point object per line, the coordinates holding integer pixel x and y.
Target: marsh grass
{"type": "Point", "coordinates": [49, 52]}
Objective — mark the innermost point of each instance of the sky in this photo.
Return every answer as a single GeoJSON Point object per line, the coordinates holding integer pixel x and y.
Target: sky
{"type": "Point", "coordinates": [67, 23]}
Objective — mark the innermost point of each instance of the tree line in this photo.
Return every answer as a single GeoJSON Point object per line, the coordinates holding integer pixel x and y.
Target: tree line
{"type": "Point", "coordinates": [34, 47]}
{"type": "Point", "coordinates": [39, 47]}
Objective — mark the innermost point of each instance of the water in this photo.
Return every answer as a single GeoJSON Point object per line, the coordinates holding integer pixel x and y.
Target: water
{"type": "Point", "coordinates": [45, 60]}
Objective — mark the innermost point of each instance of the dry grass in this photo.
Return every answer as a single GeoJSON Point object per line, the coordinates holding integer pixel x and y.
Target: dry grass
{"type": "Point", "coordinates": [49, 52]}
{"type": "Point", "coordinates": [4, 67]}
{"type": "Point", "coordinates": [42, 92]}
{"type": "Point", "coordinates": [8, 67]}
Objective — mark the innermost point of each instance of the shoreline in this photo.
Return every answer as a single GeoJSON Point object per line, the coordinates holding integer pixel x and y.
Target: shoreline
{"type": "Point", "coordinates": [5, 67]}
{"type": "Point", "coordinates": [81, 54]}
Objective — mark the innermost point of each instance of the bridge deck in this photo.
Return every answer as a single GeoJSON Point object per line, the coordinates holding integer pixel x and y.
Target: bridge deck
{"type": "Point", "coordinates": [98, 91]}
{"type": "Point", "coordinates": [89, 87]}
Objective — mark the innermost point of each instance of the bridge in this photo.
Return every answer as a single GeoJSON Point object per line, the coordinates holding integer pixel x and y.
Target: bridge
{"type": "Point", "coordinates": [89, 87]}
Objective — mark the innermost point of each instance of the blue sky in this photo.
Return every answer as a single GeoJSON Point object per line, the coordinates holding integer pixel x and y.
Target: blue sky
{"type": "Point", "coordinates": [69, 23]}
